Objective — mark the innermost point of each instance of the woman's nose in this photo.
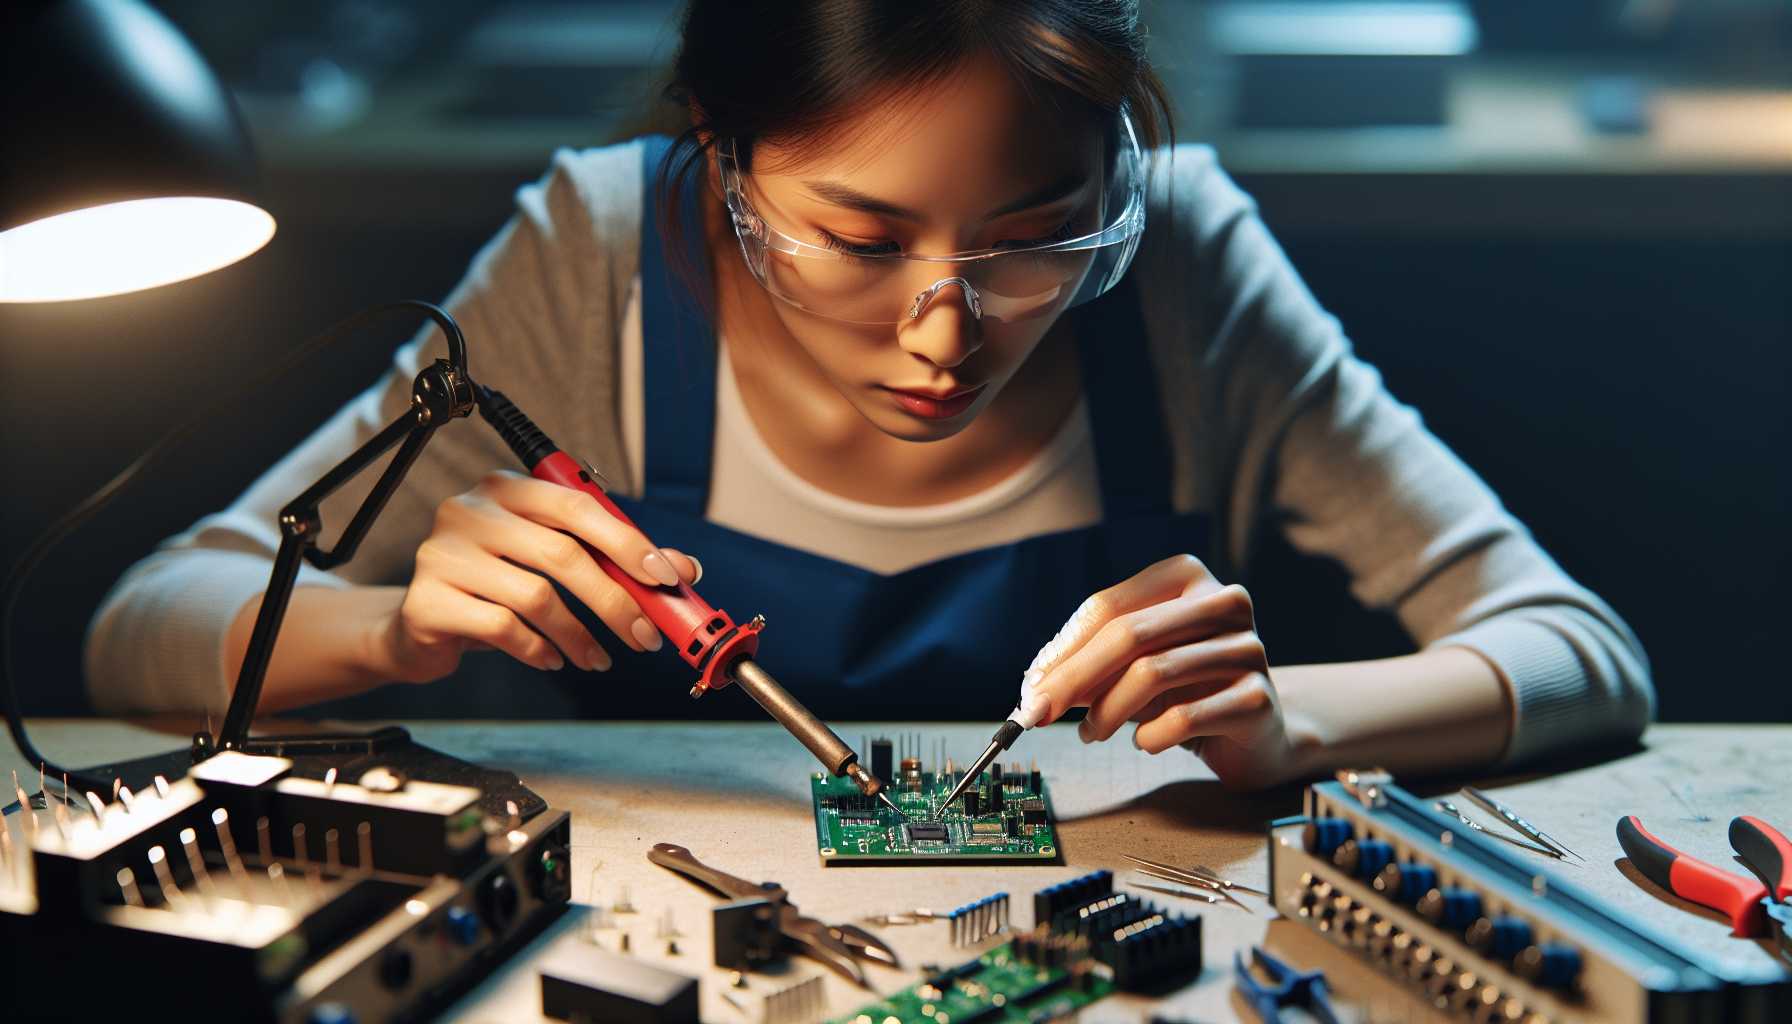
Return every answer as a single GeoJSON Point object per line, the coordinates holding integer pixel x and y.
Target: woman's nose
{"type": "Point", "coordinates": [945, 324]}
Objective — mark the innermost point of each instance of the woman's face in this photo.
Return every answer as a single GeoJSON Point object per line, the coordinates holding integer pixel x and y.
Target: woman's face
{"type": "Point", "coordinates": [969, 163]}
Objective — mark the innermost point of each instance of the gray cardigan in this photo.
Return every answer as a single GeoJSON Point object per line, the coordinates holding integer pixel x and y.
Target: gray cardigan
{"type": "Point", "coordinates": [1271, 417]}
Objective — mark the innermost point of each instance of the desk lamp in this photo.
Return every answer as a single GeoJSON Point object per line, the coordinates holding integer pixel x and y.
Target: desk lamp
{"type": "Point", "coordinates": [127, 167]}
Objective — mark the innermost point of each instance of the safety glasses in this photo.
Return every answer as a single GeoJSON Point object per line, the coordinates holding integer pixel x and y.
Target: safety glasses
{"type": "Point", "coordinates": [1009, 283]}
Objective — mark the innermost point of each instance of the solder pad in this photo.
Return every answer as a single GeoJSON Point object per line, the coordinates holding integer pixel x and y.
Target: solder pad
{"type": "Point", "coordinates": [851, 828]}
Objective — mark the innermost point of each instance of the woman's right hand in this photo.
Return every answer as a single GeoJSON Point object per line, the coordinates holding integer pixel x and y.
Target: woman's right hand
{"type": "Point", "coordinates": [473, 588]}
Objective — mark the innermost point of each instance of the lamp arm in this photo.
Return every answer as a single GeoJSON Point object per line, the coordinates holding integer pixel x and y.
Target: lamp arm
{"type": "Point", "coordinates": [93, 504]}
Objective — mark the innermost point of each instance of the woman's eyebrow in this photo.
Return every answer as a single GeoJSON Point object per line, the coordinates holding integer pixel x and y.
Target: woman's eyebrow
{"type": "Point", "coordinates": [851, 198]}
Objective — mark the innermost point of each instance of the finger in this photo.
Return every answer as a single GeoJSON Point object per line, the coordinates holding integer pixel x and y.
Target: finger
{"type": "Point", "coordinates": [446, 611]}
{"type": "Point", "coordinates": [531, 596]}
{"type": "Point", "coordinates": [689, 569]}
{"type": "Point", "coordinates": [505, 534]}
{"type": "Point", "coordinates": [1244, 712]}
{"type": "Point", "coordinates": [579, 514]}
{"type": "Point", "coordinates": [1155, 583]}
{"type": "Point", "coordinates": [1213, 663]}
{"type": "Point", "coordinates": [1202, 614]}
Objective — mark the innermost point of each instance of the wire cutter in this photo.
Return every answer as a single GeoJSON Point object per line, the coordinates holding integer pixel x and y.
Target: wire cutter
{"type": "Point", "coordinates": [1755, 908]}
{"type": "Point", "coordinates": [837, 946]}
{"type": "Point", "coordinates": [1303, 989]}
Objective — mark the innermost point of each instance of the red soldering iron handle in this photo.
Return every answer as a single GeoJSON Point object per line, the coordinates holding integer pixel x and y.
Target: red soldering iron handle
{"type": "Point", "coordinates": [706, 638]}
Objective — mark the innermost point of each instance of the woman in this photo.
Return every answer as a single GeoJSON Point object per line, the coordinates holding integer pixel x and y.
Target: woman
{"type": "Point", "coordinates": [919, 339]}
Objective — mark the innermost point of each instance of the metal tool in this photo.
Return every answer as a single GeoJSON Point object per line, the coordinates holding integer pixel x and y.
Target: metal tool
{"type": "Point", "coordinates": [1518, 823]}
{"type": "Point", "coordinates": [1455, 812]}
{"type": "Point", "coordinates": [705, 637]}
{"type": "Point", "coordinates": [1027, 713]}
{"type": "Point", "coordinates": [837, 946]}
{"type": "Point", "coordinates": [1305, 990]}
{"type": "Point", "coordinates": [1173, 890]}
{"type": "Point", "coordinates": [1199, 871]}
{"type": "Point", "coordinates": [1755, 908]}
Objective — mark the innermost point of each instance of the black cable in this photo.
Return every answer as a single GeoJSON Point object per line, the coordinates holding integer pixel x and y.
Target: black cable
{"type": "Point", "coordinates": [94, 503]}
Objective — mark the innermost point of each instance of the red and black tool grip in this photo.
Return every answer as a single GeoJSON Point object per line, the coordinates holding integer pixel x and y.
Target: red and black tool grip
{"type": "Point", "coordinates": [1689, 878]}
{"type": "Point", "coordinates": [705, 637]}
{"type": "Point", "coordinates": [1766, 852]}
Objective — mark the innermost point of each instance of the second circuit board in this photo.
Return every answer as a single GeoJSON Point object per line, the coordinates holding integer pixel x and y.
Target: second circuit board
{"type": "Point", "coordinates": [1005, 818]}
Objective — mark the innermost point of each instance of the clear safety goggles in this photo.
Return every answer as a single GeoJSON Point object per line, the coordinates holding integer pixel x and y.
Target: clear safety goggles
{"type": "Point", "coordinates": [1009, 283]}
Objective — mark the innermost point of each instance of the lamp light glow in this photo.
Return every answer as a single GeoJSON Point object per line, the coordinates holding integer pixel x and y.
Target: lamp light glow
{"type": "Point", "coordinates": [127, 246]}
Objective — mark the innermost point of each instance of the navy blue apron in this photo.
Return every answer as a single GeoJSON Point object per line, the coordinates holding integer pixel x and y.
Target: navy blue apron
{"type": "Point", "coordinates": [944, 638]}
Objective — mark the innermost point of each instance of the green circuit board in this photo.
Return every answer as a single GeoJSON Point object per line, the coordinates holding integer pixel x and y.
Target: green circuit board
{"type": "Point", "coordinates": [996, 988]}
{"type": "Point", "coordinates": [1017, 827]}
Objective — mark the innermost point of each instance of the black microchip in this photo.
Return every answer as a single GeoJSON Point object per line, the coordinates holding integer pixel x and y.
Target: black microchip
{"type": "Point", "coordinates": [927, 832]}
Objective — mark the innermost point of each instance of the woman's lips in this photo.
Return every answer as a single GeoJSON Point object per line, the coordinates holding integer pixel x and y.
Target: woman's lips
{"type": "Point", "coordinates": [933, 407]}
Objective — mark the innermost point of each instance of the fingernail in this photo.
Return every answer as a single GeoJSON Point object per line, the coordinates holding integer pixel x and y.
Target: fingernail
{"type": "Point", "coordinates": [555, 663]}
{"type": "Point", "coordinates": [645, 634]}
{"type": "Point", "coordinates": [1083, 732]}
{"type": "Point", "coordinates": [659, 568]}
{"type": "Point", "coordinates": [597, 659]}
{"type": "Point", "coordinates": [699, 566]}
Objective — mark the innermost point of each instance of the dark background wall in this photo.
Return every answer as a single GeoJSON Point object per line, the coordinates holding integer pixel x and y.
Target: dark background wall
{"type": "Point", "coordinates": [1620, 382]}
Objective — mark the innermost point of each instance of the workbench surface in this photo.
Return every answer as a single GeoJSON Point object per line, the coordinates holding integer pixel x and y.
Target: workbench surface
{"type": "Point", "coordinates": [737, 794]}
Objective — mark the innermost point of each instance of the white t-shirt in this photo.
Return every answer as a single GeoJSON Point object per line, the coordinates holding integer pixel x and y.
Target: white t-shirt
{"type": "Point", "coordinates": [754, 493]}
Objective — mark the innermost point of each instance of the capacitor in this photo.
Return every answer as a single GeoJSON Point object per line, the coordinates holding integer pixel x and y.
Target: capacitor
{"type": "Point", "coordinates": [971, 802]}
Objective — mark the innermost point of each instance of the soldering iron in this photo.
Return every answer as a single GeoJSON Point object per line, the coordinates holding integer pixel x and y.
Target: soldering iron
{"type": "Point", "coordinates": [706, 637]}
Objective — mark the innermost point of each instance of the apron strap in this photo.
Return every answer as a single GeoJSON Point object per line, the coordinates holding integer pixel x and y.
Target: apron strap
{"type": "Point", "coordinates": [1132, 445]}
{"type": "Point", "coordinates": [678, 347]}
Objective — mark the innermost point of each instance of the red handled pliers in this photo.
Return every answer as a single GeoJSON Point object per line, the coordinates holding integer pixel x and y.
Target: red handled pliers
{"type": "Point", "coordinates": [1755, 908]}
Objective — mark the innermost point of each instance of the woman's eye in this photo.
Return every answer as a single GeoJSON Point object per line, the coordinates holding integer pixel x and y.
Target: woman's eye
{"type": "Point", "coordinates": [832, 241]}
{"type": "Point", "coordinates": [1058, 234]}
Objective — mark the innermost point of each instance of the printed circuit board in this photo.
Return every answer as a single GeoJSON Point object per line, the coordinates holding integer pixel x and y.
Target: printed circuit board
{"type": "Point", "coordinates": [1005, 818]}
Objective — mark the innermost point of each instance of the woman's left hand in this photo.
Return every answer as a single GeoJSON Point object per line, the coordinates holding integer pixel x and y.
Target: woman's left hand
{"type": "Point", "coordinates": [1176, 651]}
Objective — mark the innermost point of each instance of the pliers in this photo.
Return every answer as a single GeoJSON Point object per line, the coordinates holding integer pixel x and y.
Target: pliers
{"type": "Point", "coordinates": [1303, 989]}
{"type": "Point", "coordinates": [1755, 908]}
{"type": "Point", "coordinates": [836, 946]}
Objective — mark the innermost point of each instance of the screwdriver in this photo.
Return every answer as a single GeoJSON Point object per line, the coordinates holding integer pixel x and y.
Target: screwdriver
{"type": "Point", "coordinates": [706, 637]}
{"type": "Point", "coordinates": [1026, 714]}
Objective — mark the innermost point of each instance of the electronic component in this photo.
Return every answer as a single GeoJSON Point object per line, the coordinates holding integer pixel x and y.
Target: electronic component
{"type": "Point", "coordinates": [1000, 819]}
{"type": "Point", "coordinates": [801, 1003]}
{"type": "Point", "coordinates": [977, 921]}
{"type": "Point", "coordinates": [584, 983]}
{"type": "Point", "coordinates": [935, 831]}
{"type": "Point", "coordinates": [1091, 942]}
{"type": "Point", "coordinates": [1469, 925]}
{"type": "Point", "coordinates": [330, 911]}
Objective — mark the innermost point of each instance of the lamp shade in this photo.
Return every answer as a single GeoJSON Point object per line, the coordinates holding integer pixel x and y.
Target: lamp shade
{"type": "Point", "coordinates": [123, 162]}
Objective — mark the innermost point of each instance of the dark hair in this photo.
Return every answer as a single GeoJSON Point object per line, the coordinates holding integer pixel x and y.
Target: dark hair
{"type": "Point", "coordinates": [791, 70]}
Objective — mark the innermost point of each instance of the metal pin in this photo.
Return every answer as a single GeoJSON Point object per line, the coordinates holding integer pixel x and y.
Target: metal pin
{"type": "Point", "coordinates": [161, 787]}
{"type": "Point", "coordinates": [61, 820]}
{"type": "Point", "coordinates": [299, 851]}
{"type": "Point", "coordinates": [264, 842]}
{"type": "Point", "coordinates": [128, 798]}
{"type": "Point", "coordinates": [513, 818]}
{"type": "Point", "coordinates": [277, 876]}
{"type": "Point", "coordinates": [189, 843]}
{"type": "Point", "coordinates": [364, 842]}
{"type": "Point", "coordinates": [332, 852]}
{"type": "Point", "coordinates": [171, 894]}
{"type": "Point", "coordinates": [66, 801]}
{"type": "Point", "coordinates": [330, 783]}
{"type": "Point", "coordinates": [41, 791]}
{"type": "Point", "coordinates": [25, 809]}
{"type": "Point", "coordinates": [227, 844]}
{"type": "Point", "coordinates": [117, 783]}
{"type": "Point", "coordinates": [5, 850]}
{"type": "Point", "coordinates": [98, 806]}
{"type": "Point", "coordinates": [127, 884]}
